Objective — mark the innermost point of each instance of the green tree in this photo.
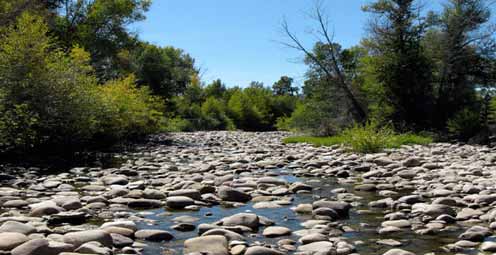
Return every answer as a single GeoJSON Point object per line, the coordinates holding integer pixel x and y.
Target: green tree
{"type": "Point", "coordinates": [284, 86]}
{"type": "Point", "coordinates": [51, 93]}
{"type": "Point", "coordinates": [167, 71]}
{"type": "Point", "coordinates": [101, 27]}
{"type": "Point", "coordinates": [462, 46]}
{"type": "Point", "coordinates": [215, 89]}
{"type": "Point", "coordinates": [404, 71]}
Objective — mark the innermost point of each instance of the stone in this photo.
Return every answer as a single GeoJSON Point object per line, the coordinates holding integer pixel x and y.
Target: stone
{"type": "Point", "coordinates": [276, 231]}
{"type": "Point", "coordinates": [154, 235]}
{"type": "Point", "coordinates": [260, 250]}
{"type": "Point", "coordinates": [45, 208]}
{"type": "Point", "coordinates": [214, 244]}
{"type": "Point", "coordinates": [321, 246]}
{"type": "Point", "coordinates": [183, 227]}
{"type": "Point", "coordinates": [488, 246]}
{"type": "Point", "coordinates": [17, 227]}
{"type": "Point", "coordinates": [121, 224]}
{"type": "Point", "coordinates": [81, 237]}
{"type": "Point", "coordinates": [179, 202]}
{"type": "Point", "coordinates": [230, 235]}
{"type": "Point", "coordinates": [144, 203]}
{"type": "Point", "coordinates": [397, 223]}
{"type": "Point", "coordinates": [342, 208]}
{"type": "Point", "coordinates": [398, 252]}
{"type": "Point", "coordinates": [191, 193]}
{"type": "Point", "coordinates": [242, 219]}
{"type": "Point", "coordinates": [233, 195]}
{"type": "Point", "coordinates": [94, 248]}
{"type": "Point", "coordinates": [33, 247]}
{"type": "Point", "coordinates": [311, 238]}
{"type": "Point", "coordinates": [121, 241]}
{"type": "Point", "coordinates": [389, 242]}
{"type": "Point", "coordinates": [9, 241]}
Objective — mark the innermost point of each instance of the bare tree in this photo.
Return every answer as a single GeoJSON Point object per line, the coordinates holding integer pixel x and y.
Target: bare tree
{"type": "Point", "coordinates": [332, 71]}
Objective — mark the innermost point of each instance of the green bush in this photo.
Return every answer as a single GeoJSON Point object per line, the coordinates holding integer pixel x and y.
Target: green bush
{"type": "Point", "coordinates": [176, 124]}
{"type": "Point", "coordinates": [128, 111]}
{"type": "Point", "coordinates": [214, 114]}
{"type": "Point", "coordinates": [368, 138]}
{"type": "Point", "coordinates": [48, 94]}
{"type": "Point", "coordinates": [50, 98]}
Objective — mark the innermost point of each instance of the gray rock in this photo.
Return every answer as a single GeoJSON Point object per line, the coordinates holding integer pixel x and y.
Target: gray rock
{"type": "Point", "coordinates": [144, 203]}
{"type": "Point", "coordinates": [81, 237]}
{"type": "Point", "coordinates": [276, 232]}
{"type": "Point", "coordinates": [154, 235]}
{"type": "Point", "coordinates": [233, 195]}
{"type": "Point", "coordinates": [34, 247]}
{"type": "Point", "coordinates": [243, 219]}
{"type": "Point", "coordinates": [230, 235]}
{"type": "Point", "coordinates": [17, 227]}
{"type": "Point", "coordinates": [398, 252]}
{"type": "Point", "coordinates": [179, 202]}
{"type": "Point", "coordinates": [488, 246]}
{"type": "Point", "coordinates": [214, 244]}
{"type": "Point", "coordinates": [94, 248]}
{"type": "Point", "coordinates": [191, 193]}
{"type": "Point", "coordinates": [9, 241]}
{"type": "Point", "coordinates": [260, 250]}
{"type": "Point", "coordinates": [342, 208]}
{"type": "Point", "coordinates": [321, 246]}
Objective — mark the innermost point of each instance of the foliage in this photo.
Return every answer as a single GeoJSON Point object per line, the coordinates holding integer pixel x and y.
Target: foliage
{"type": "Point", "coordinates": [284, 86]}
{"type": "Point", "coordinates": [99, 26]}
{"type": "Point", "coordinates": [214, 112]}
{"type": "Point", "coordinates": [45, 84]}
{"type": "Point", "coordinates": [464, 124]}
{"type": "Point", "coordinates": [51, 98]}
{"type": "Point", "coordinates": [368, 138]}
{"type": "Point", "coordinates": [403, 70]}
{"type": "Point", "coordinates": [128, 111]}
{"type": "Point", "coordinates": [167, 71]}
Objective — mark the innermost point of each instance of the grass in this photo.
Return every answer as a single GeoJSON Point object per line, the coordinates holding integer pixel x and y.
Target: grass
{"type": "Point", "coordinates": [364, 139]}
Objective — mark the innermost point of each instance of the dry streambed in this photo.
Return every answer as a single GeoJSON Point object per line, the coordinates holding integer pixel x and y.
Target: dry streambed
{"type": "Point", "coordinates": [246, 193]}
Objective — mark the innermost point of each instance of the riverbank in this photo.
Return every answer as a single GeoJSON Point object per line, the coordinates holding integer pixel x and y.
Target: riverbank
{"type": "Point", "coordinates": [248, 193]}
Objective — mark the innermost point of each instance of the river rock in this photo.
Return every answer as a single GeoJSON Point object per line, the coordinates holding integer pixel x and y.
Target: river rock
{"type": "Point", "coordinates": [276, 232]}
{"type": "Point", "coordinates": [243, 219]}
{"type": "Point", "coordinates": [154, 235]}
{"type": "Point", "coordinates": [233, 195]}
{"type": "Point", "coordinates": [214, 244]}
{"type": "Point", "coordinates": [9, 241]}
{"type": "Point", "coordinates": [81, 237]}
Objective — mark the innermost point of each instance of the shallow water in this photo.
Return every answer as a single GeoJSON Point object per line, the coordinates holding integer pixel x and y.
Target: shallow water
{"type": "Point", "coordinates": [285, 217]}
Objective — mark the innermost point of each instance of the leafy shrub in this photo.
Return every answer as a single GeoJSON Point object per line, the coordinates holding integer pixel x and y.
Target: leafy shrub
{"type": "Point", "coordinates": [48, 94]}
{"type": "Point", "coordinates": [214, 113]}
{"type": "Point", "coordinates": [309, 118]}
{"type": "Point", "coordinates": [50, 98]}
{"type": "Point", "coordinates": [128, 111]}
{"type": "Point", "coordinates": [368, 138]}
{"type": "Point", "coordinates": [176, 124]}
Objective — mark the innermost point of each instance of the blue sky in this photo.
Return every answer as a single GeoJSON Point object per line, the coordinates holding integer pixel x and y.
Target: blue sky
{"type": "Point", "coordinates": [236, 40]}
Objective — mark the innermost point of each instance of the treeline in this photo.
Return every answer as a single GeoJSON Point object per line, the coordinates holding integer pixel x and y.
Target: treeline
{"type": "Point", "coordinates": [216, 107]}
{"type": "Point", "coordinates": [434, 72]}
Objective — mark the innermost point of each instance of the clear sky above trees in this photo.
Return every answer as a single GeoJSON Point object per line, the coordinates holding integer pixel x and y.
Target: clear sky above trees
{"type": "Point", "coordinates": [236, 40]}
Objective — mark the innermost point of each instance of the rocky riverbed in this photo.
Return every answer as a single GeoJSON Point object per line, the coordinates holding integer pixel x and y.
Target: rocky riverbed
{"type": "Point", "coordinates": [247, 193]}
